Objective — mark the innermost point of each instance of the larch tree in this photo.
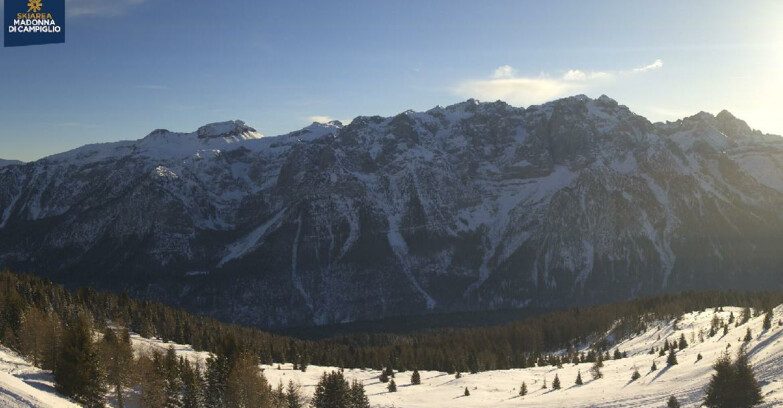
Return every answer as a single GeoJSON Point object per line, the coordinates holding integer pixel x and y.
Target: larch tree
{"type": "Point", "coordinates": [116, 358]}
{"type": "Point", "coordinates": [78, 373]}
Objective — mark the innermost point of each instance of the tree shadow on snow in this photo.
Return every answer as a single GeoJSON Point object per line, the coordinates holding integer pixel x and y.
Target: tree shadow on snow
{"type": "Point", "coordinates": [764, 343]}
{"type": "Point", "coordinates": [661, 372]}
{"type": "Point", "coordinates": [38, 381]}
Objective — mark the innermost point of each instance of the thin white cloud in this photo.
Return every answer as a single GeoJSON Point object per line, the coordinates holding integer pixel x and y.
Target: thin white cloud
{"type": "Point", "coordinates": [574, 75]}
{"type": "Point", "coordinates": [327, 119]}
{"type": "Point", "coordinates": [320, 119]}
{"type": "Point", "coordinates": [577, 75]}
{"type": "Point", "coordinates": [657, 64]}
{"type": "Point", "coordinates": [99, 8]}
{"type": "Point", "coordinates": [505, 71]}
{"type": "Point", "coordinates": [519, 91]}
{"type": "Point", "coordinates": [505, 85]}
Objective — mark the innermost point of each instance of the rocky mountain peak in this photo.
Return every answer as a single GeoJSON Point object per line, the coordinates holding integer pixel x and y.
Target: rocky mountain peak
{"type": "Point", "coordinates": [231, 128]}
{"type": "Point", "coordinates": [606, 100]}
{"type": "Point", "coordinates": [732, 126]}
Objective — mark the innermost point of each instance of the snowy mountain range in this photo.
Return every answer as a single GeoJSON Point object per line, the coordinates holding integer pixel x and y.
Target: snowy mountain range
{"type": "Point", "coordinates": [473, 206]}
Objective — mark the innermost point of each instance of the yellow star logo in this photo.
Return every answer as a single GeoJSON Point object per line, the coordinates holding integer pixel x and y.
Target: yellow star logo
{"type": "Point", "coordinates": [34, 5]}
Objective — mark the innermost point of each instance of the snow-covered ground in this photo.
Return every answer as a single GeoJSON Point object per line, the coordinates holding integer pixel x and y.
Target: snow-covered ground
{"type": "Point", "coordinates": [685, 380]}
{"type": "Point", "coordinates": [22, 385]}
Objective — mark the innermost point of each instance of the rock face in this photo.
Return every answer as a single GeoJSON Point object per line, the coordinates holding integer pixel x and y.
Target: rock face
{"type": "Point", "coordinates": [470, 207]}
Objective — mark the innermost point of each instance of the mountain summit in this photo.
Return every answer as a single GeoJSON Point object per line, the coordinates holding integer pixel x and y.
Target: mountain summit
{"type": "Point", "coordinates": [473, 206]}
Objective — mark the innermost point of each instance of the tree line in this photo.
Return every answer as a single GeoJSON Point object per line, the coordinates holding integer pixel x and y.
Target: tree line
{"type": "Point", "coordinates": [53, 326]}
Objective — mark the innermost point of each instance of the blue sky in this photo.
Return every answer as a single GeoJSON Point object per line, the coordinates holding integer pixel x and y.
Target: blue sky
{"type": "Point", "coordinates": [130, 66]}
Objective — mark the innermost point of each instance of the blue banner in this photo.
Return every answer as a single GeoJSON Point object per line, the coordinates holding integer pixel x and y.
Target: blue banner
{"type": "Point", "coordinates": [33, 22]}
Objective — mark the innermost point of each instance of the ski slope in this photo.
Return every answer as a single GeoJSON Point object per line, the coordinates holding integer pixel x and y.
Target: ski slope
{"type": "Point", "coordinates": [22, 385]}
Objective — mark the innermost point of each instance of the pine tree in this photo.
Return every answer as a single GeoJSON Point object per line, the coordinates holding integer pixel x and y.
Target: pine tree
{"type": "Point", "coordinates": [578, 378]}
{"type": "Point", "coordinates": [556, 383]}
{"type": "Point", "coordinates": [595, 370]}
{"type": "Point", "coordinates": [467, 392]}
{"type": "Point", "coordinates": [748, 336]}
{"type": "Point", "coordinates": [302, 364]}
{"type": "Point", "coordinates": [38, 335]}
{"type": "Point", "coordinates": [672, 402]}
{"type": "Point", "coordinates": [332, 391]}
{"type": "Point", "coordinates": [246, 386]}
{"type": "Point", "coordinates": [218, 368]}
{"type": "Point", "coordinates": [278, 396]}
{"type": "Point", "coordinates": [357, 396]}
{"type": "Point", "coordinates": [635, 376]}
{"type": "Point", "coordinates": [415, 377]}
{"type": "Point", "coordinates": [746, 313]}
{"type": "Point", "coordinates": [720, 390]}
{"type": "Point", "coordinates": [733, 384]}
{"type": "Point", "coordinates": [747, 385]}
{"type": "Point", "coordinates": [116, 358]}
{"type": "Point", "coordinates": [523, 389]}
{"type": "Point", "coordinates": [683, 344]}
{"type": "Point", "coordinates": [78, 373]}
{"type": "Point", "coordinates": [653, 367]}
{"type": "Point", "coordinates": [384, 378]}
{"type": "Point", "coordinates": [293, 396]}
{"type": "Point", "coordinates": [671, 359]}
{"type": "Point", "coordinates": [153, 380]}
{"type": "Point", "coordinates": [768, 320]}
{"type": "Point", "coordinates": [698, 357]}
{"type": "Point", "coordinates": [192, 385]}
{"type": "Point", "coordinates": [392, 386]}
{"type": "Point", "coordinates": [173, 381]}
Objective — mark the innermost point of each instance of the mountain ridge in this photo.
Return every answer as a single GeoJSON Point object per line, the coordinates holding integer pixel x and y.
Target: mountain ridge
{"type": "Point", "coordinates": [5, 162]}
{"type": "Point", "coordinates": [472, 206]}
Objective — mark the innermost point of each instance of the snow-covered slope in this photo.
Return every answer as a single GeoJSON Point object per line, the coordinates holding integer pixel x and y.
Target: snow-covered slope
{"type": "Point", "coordinates": [23, 385]}
{"type": "Point", "coordinates": [473, 206]}
{"type": "Point", "coordinates": [686, 380]}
